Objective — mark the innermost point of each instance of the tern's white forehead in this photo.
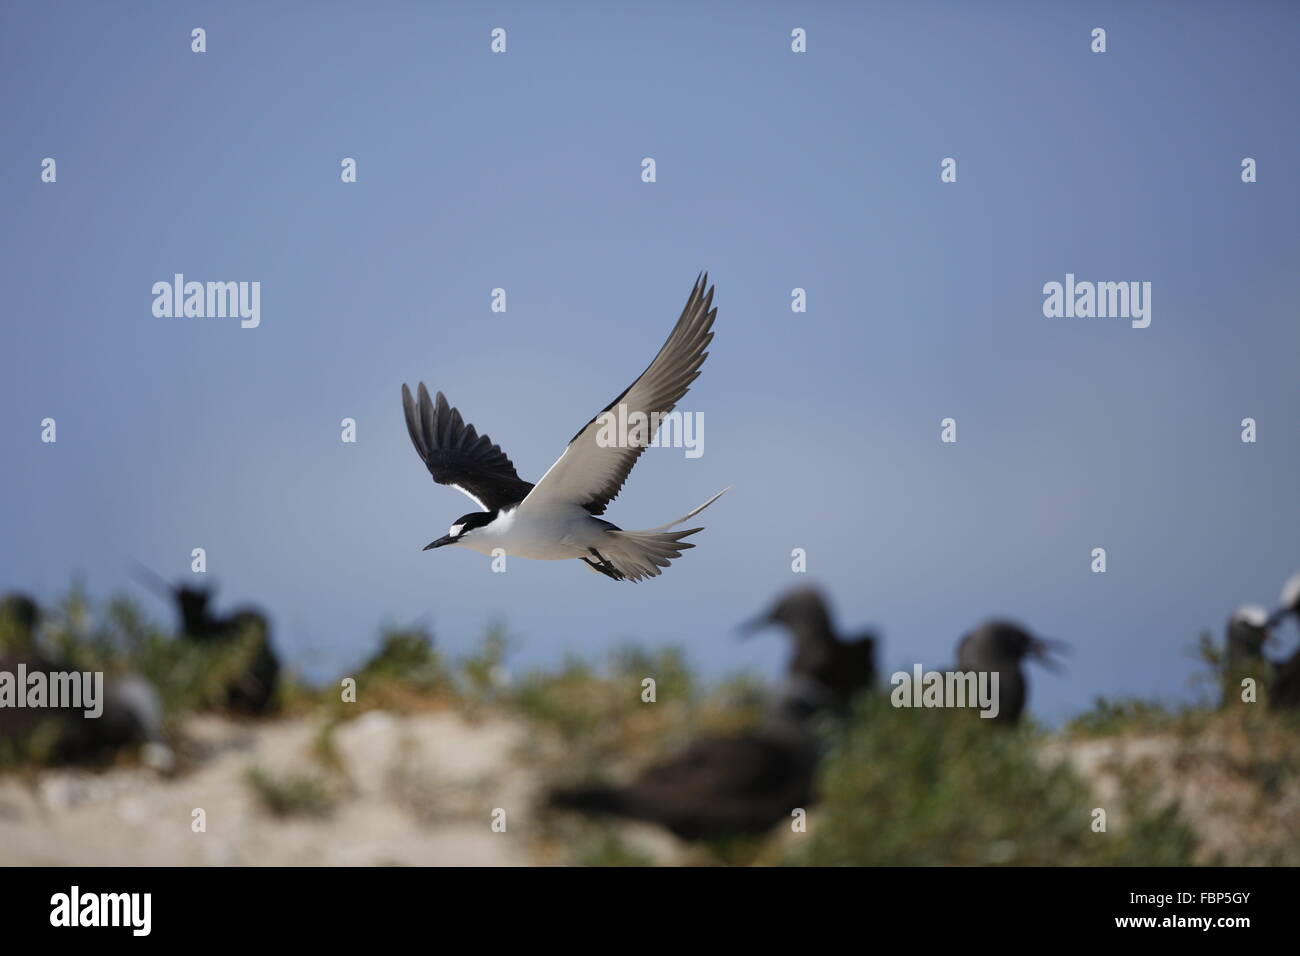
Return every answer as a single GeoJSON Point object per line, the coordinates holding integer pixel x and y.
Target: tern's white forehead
{"type": "Point", "coordinates": [454, 530]}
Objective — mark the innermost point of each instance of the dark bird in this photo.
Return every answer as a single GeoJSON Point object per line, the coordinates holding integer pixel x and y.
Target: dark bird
{"type": "Point", "coordinates": [1248, 630]}
{"type": "Point", "coordinates": [843, 667]}
{"type": "Point", "coordinates": [721, 787]}
{"type": "Point", "coordinates": [999, 646]}
{"type": "Point", "coordinates": [132, 715]}
{"type": "Point", "coordinates": [557, 518]}
{"type": "Point", "coordinates": [1284, 693]}
{"type": "Point", "coordinates": [252, 688]}
{"type": "Point", "coordinates": [130, 711]}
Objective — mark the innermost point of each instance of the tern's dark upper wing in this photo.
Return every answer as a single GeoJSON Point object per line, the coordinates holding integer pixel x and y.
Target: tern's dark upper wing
{"type": "Point", "coordinates": [457, 455]}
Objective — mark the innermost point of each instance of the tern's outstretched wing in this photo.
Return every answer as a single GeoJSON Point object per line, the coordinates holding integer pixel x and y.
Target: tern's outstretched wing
{"type": "Point", "coordinates": [591, 472]}
{"type": "Point", "coordinates": [457, 455]}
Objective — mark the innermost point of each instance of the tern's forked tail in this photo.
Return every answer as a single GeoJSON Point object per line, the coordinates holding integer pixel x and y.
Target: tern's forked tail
{"type": "Point", "coordinates": [689, 514]}
{"type": "Point", "coordinates": [634, 555]}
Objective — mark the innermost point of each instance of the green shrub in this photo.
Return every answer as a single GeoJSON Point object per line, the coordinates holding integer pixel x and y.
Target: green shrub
{"type": "Point", "coordinates": [903, 787]}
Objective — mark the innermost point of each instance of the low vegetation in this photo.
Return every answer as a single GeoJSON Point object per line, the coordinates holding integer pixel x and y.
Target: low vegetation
{"type": "Point", "coordinates": [1204, 783]}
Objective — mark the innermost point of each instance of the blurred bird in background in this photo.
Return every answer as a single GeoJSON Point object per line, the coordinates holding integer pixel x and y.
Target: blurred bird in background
{"type": "Point", "coordinates": [999, 646]}
{"type": "Point", "coordinates": [1249, 628]}
{"type": "Point", "coordinates": [252, 687]}
{"type": "Point", "coordinates": [1284, 694]}
{"type": "Point", "coordinates": [722, 786]}
{"type": "Point", "coordinates": [725, 786]}
{"type": "Point", "coordinates": [844, 667]}
{"type": "Point", "coordinates": [131, 713]}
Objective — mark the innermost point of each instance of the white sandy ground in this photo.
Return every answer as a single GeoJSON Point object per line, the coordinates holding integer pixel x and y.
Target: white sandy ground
{"type": "Point", "coordinates": [421, 789]}
{"type": "Point", "coordinates": [387, 813]}
{"type": "Point", "coordinates": [1215, 777]}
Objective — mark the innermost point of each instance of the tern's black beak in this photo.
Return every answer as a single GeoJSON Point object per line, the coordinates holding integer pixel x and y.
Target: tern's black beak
{"type": "Point", "coordinates": [445, 539]}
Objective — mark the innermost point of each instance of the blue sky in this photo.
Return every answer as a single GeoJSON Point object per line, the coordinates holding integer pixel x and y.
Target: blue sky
{"type": "Point", "coordinates": [775, 171]}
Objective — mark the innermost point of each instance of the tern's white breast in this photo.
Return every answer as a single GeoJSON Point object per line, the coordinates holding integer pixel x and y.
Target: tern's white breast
{"type": "Point", "coordinates": [554, 534]}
